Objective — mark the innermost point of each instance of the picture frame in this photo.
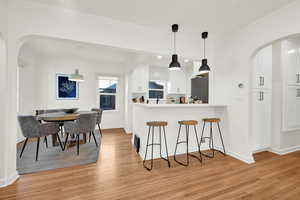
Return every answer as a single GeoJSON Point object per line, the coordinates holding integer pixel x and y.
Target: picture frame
{"type": "Point", "coordinates": [66, 89]}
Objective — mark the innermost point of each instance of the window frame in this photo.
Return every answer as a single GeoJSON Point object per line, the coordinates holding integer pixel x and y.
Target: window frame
{"type": "Point", "coordinates": [163, 90]}
{"type": "Point", "coordinates": [99, 93]}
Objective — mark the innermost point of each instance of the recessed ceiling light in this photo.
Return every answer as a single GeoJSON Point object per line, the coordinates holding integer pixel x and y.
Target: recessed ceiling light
{"type": "Point", "coordinates": [186, 60]}
{"type": "Point", "coordinates": [159, 57]}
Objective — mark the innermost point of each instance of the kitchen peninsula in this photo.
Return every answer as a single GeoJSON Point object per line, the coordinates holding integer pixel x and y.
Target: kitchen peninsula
{"type": "Point", "coordinates": [172, 113]}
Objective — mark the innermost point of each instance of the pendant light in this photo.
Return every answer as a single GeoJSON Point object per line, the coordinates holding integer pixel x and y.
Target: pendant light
{"type": "Point", "coordinates": [76, 76]}
{"type": "Point", "coordinates": [174, 65]}
{"type": "Point", "coordinates": [204, 69]}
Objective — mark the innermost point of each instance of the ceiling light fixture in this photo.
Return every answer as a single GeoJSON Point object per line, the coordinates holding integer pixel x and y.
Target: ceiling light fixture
{"type": "Point", "coordinates": [174, 65]}
{"type": "Point", "coordinates": [204, 69]}
{"type": "Point", "coordinates": [159, 57]}
{"type": "Point", "coordinates": [76, 76]}
{"type": "Point", "coordinates": [186, 60]}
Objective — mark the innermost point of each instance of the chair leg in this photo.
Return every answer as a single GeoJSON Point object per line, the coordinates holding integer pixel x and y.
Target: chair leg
{"type": "Point", "coordinates": [61, 146]}
{"type": "Point", "coordinates": [24, 145]}
{"type": "Point", "coordinates": [221, 139]}
{"type": "Point", "coordinates": [198, 143]}
{"type": "Point", "coordinates": [187, 129]}
{"type": "Point", "coordinates": [100, 130]}
{"type": "Point", "coordinates": [212, 140]}
{"type": "Point", "coordinates": [66, 141]}
{"type": "Point", "coordinates": [90, 135]}
{"type": "Point", "coordinates": [37, 149]}
{"type": "Point", "coordinates": [206, 155]}
{"type": "Point", "coordinates": [166, 147]}
{"type": "Point", "coordinates": [95, 138]}
{"type": "Point", "coordinates": [147, 150]}
{"type": "Point", "coordinates": [77, 136]}
{"type": "Point", "coordinates": [46, 141]}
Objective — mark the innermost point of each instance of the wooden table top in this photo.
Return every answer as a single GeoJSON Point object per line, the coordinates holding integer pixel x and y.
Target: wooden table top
{"type": "Point", "coordinates": [61, 116]}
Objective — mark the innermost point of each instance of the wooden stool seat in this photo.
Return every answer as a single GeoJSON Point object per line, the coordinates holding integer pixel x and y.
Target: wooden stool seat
{"type": "Point", "coordinates": [157, 123]}
{"type": "Point", "coordinates": [216, 120]}
{"type": "Point", "coordinates": [188, 122]}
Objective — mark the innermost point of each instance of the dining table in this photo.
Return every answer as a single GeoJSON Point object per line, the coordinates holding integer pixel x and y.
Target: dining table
{"type": "Point", "coordinates": [61, 118]}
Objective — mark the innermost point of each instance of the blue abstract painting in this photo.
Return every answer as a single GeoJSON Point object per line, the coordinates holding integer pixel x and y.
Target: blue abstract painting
{"type": "Point", "coordinates": [66, 89]}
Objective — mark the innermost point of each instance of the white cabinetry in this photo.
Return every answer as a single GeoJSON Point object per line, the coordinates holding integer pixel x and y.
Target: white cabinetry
{"type": "Point", "coordinates": [261, 119]}
{"type": "Point", "coordinates": [291, 80]}
{"type": "Point", "coordinates": [292, 108]}
{"type": "Point", "coordinates": [262, 69]}
{"type": "Point", "coordinates": [140, 79]}
{"type": "Point", "coordinates": [177, 82]}
{"type": "Point", "coordinates": [291, 62]}
{"type": "Point", "coordinates": [262, 99]}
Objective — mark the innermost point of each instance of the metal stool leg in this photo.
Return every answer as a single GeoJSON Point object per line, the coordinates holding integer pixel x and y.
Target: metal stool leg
{"type": "Point", "coordinates": [24, 145]}
{"type": "Point", "coordinates": [187, 144]}
{"type": "Point", "coordinates": [212, 140]}
{"type": "Point", "coordinates": [147, 150]}
{"type": "Point", "coordinates": [184, 164]}
{"type": "Point", "coordinates": [206, 155]}
{"type": "Point", "coordinates": [224, 152]}
{"type": "Point", "coordinates": [166, 147]}
{"type": "Point", "coordinates": [198, 144]}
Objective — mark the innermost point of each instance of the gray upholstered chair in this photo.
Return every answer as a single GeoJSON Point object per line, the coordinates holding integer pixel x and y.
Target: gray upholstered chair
{"type": "Point", "coordinates": [85, 124]}
{"type": "Point", "coordinates": [98, 119]}
{"type": "Point", "coordinates": [32, 128]}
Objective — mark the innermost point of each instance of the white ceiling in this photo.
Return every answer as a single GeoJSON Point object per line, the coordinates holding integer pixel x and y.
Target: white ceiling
{"type": "Point", "coordinates": [215, 16]}
{"type": "Point", "coordinates": [96, 53]}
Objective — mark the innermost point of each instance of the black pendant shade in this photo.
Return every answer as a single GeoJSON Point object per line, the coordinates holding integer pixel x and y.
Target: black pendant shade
{"type": "Point", "coordinates": [204, 69]}
{"type": "Point", "coordinates": [174, 65]}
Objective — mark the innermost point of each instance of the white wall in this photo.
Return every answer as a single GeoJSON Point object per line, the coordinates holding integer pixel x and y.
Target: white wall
{"type": "Point", "coordinates": [233, 65]}
{"type": "Point", "coordinates": [38, 86]}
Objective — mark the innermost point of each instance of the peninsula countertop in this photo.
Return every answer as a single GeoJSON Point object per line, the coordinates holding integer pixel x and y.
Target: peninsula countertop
{"type": "Point", "coordinates": [179, 105]}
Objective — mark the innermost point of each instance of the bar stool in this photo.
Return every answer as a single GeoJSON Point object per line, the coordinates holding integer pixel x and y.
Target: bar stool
{"type": "Point", "coordinates": [187, 125]}
{"type": "Point", "coordinates": [160, 125]}
{"type": "Point", "coordinates": [211, 140]}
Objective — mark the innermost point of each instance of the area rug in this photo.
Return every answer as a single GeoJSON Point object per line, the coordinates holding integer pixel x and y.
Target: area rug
{"type": "Point", "coordinates": [54, 157]}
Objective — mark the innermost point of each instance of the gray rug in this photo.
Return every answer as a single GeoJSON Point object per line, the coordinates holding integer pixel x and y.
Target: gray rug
{"type": "Point", "coordinates": [54, 157]}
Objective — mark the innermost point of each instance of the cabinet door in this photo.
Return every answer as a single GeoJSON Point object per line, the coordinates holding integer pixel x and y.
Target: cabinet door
{"type": "Point", "coordinates": [292, 108]}
{"type": "Point", "coordinates": [140, 79]}
{"type": "Point", "coordinates": [262, 71]}
{"type": "Point", "coordinates": [177, 82]}
{"type": "Point", "coordinates": [291, 62]}
{"type": "Point", "coordinates": [261, 119]}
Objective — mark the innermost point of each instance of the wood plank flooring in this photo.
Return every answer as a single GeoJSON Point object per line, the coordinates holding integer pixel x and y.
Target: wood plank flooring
{"type": "Point", "coordinates": [119, 174]}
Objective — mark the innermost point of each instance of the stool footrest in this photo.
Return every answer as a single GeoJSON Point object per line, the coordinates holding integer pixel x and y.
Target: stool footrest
{"type": "Point", "coordinates": [153, 144]}
{"type": "Point", "coordinates": [186, 164]}
{"type": "Point", "coordinates": [181, 142]}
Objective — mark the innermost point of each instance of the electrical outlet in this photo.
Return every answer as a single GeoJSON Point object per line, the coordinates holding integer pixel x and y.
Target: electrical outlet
{"type": "Point", "coordinates": [203, 140]}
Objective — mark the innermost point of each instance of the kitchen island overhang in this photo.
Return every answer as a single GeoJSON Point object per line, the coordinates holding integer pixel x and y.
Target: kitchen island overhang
{"type": "Point", "coordinates": [172, 113]}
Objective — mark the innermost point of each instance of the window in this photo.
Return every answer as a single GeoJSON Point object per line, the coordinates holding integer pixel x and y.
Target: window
{"type": "Point", "coordinates": [108, 92]}
{"type": "Point", "coordinates": [156, 89]}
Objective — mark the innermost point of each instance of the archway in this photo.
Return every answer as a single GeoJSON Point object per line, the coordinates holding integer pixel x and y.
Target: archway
{"type": "Point", "coordinates": [271, 91]}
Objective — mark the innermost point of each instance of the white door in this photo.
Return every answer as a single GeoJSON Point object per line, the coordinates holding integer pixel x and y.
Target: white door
{"type": "Point", "coordinates": [292, 107]}
{"type": "Point", "coordinates": [291, 62]}
{"type": "Point", "coordinates": [261, 119]}
{"type": "Point", "coordinates": [262, 69]}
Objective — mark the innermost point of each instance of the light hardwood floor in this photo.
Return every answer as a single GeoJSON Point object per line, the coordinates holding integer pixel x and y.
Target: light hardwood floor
{"type": "Point", "coordinates": [119, 174]}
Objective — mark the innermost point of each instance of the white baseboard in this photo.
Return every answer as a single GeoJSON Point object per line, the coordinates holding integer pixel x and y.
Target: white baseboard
{"type": "Point", "coordinates": [285, 150]}
{"type": "Point", "coordinates": [11, 179]}
{"type": "Point", "coordinates": [261, 150]}
{"type": "Point", "coordinates": [248, 160]}
{"type": "Point", "coordinates": [20, 139]}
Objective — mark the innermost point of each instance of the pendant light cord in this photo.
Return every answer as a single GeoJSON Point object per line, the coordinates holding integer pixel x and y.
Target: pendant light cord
{"type": "Point", "coordinates": [204, 48]}
{"type": "Point", "coordinates": [174, 43]}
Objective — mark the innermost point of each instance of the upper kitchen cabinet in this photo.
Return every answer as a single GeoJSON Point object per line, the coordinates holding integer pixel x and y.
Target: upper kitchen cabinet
{"type": "Point", "coordinates": [291, 62]}
{"type": "Point", "coordinates": [140, 79]}
{"type": "Point", "coordinates": [292, 109]}
{"type": "Point", "coordinates": [262, 69]}
{"type": "Point", "coordinates": [177, 82]}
